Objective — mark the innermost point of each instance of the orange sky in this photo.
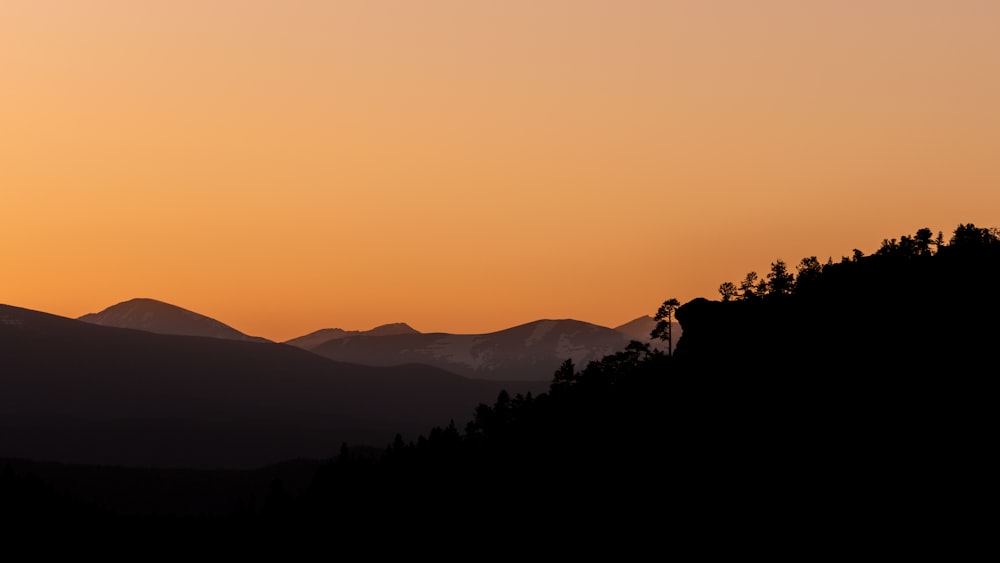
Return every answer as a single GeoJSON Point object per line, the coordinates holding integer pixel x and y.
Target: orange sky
{"type": "Point", "coordinates": [465, 166]}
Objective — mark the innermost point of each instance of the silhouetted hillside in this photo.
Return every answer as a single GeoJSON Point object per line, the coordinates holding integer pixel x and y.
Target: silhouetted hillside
{"type": "Point", "coordinates": [916, 306]}
{"type": "Point", "coordinates": [806, 409]}
{"type": "Point", "coordinates": [856, 393]}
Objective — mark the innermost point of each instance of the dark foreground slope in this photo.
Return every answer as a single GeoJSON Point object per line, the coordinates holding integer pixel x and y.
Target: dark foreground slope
{"type": "Point", "coordinates": [72, 391]}
{"type": "Point", "coordinates": [874, 376]}
{"type": "Point", "coordinates": [849, 407]}
{"type": "Point", "coordinates": [50, 491]}
{"type": "Point", "coordinates": [795, 444]}
{"type": "Point", "coordinates": [908, 310]}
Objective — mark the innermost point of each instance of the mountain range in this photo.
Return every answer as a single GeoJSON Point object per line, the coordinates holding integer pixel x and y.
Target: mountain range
{"type": "Point", "coordinates": [531, 351]}
{"type": "Point", "coordinates": [146, 383]}
{"type": "Point", "coordinates": [78, 392]}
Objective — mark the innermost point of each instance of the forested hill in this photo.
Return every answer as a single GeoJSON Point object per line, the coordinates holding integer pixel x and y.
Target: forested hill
{"type": "Point", "coordinates": [834, 404]}
{"type": "Point", "coordinates": [918, 305]}
{"type": "Point", "coordinates": [851, 391]}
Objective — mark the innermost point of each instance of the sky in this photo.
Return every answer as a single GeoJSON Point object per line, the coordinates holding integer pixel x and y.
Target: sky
{"type": "Point", "coordinates": [469, 165]}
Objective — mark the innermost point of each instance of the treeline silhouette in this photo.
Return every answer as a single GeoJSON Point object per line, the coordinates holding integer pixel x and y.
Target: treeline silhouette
{"type": "Point", "coordinates": [588, 452]}
{"type": "Point", "coordinates": [831, 399]}
{"type": "Point", "coordinates": [918, 305]}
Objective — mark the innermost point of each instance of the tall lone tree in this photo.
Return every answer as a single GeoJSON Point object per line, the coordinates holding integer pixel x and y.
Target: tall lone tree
{"type": "Point", "coordinates": [665, 323]}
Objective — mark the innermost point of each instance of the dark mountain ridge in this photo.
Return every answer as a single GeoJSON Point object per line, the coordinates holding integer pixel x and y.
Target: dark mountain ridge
{"type": "Point", "coordinates": [73, 391]}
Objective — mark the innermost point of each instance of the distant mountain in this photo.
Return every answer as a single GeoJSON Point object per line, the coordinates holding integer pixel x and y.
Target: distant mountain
{"type": "Point", "coordinates": [314, 339]}
{"type": "Point", "coordinates": [151, 315]}
{"type": "Point", "coordinates": [531, 351]}
{"type": "Point", "coordinates": [78, 392]}
{"type": "Point", "coordinates": [392, 329]}
{"type": "Point", "coordinates": [640, 329]}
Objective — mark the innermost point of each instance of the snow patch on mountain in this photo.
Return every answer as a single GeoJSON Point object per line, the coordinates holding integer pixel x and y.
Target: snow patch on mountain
{"type": "Point", "coordinates": [566, 348]}
{"type": "Point", "coordinates": [542, 329]}
{"type": "Point", "coordinates": [457, 349]}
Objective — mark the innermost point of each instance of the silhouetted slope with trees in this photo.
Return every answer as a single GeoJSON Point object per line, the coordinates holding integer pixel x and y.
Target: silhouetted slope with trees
{"type": "Point", "coordinates": [840, 401]}
{"type": "Point", "coordinates": [856, 388]}
{"type": "Point", "coordinates": [916, 306]}
{"type": "Point", "coordinates": [588, 450]}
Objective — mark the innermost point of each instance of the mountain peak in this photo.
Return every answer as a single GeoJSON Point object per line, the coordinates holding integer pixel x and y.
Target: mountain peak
{"type": "Point", "coordinates": [639, 323]}
{"type": "Point", "coordinates": [391, 329]}
{"type": "Point", "coordinates": [641, 329]}
{"type": "Point", "coordinates": [152, 315]}
{"type": "Point", "coordinates": [146, 301]}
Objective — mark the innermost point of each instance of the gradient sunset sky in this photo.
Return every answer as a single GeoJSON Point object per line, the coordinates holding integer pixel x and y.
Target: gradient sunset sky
{"type": "Point", "coordinates": [465, 166]}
